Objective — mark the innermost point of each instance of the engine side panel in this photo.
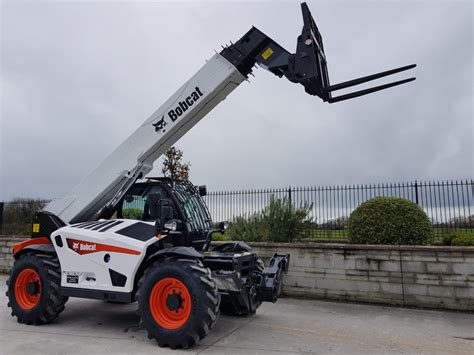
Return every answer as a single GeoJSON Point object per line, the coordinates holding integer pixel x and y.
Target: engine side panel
{"type": "Point", "coordinates": [102, 255]}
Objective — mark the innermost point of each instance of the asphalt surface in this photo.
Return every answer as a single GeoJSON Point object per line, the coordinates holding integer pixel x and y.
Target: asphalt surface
{"type": "Point", "coordinates": [288, 327]}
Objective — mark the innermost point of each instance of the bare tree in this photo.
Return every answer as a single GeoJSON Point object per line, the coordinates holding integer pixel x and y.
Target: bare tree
{"type": "Point", "coordinates": [173, 165]}
{"type": "Point", "coordinates": [18, 215]}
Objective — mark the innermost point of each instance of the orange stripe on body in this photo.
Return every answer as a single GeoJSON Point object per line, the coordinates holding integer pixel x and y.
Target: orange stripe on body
{"type": "Point", "coordinates": [82, 247]}
{"type": "Point", "coordinates": [34, 241]}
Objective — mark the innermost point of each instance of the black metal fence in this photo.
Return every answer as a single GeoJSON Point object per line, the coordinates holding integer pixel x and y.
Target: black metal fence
{"type": "Point", "coordinates": [449, 204]}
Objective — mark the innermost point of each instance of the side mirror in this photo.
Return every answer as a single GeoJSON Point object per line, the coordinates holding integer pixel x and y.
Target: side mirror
{"type": "Point", "coordinates": [154, 205]}
{"type": "Point", "coordinates": [160, 209]}
{"type": "Point", "coordinates": [128, 198]}
{"type": "Point", "coordinates": [166, 211]}
{"type": "Point", "coordinates": [223, 226]}
{"type": "Point", "coordinates": [202, 190]}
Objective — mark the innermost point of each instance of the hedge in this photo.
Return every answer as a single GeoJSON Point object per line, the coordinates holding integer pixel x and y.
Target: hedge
{"type": "Point", "coordinates": [389, 220]}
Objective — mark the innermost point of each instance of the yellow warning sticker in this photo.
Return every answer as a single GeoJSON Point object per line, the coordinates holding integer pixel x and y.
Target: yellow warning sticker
{"type": "Point", "coordinates": [267, 53]}
{"type": "Point", "coordinates": [36, 227]}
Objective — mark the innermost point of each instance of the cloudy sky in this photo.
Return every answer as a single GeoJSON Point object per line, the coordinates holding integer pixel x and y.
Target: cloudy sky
{"type": "Point", "coordinates": [78, 77]}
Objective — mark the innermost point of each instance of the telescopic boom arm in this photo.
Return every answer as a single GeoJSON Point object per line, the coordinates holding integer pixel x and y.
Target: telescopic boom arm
{"type": "Point", "coordinates": [99, 192]}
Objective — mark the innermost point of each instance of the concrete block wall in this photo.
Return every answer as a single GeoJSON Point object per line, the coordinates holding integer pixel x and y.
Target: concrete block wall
{"type": "Point", "coordinates": [434, 277]}
{"type": "Point", "coordinates": [6, 257]}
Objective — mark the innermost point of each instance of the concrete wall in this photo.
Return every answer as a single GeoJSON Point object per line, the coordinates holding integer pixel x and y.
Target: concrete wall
{"type": "Point", "coordinates": [435, 277]}
{"type": "Point", "coordinates": [6, 257]}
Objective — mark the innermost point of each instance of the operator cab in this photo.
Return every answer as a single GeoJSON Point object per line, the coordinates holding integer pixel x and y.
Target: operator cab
{"type": "Point", "coordinates": [165, 201]}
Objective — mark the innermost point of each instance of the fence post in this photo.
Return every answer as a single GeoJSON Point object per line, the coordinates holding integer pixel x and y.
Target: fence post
{"type": "Point", "coordinates": [1, 217]}
{"type": "Point", "coordinates": [289, 195]}
{"type": "Point", "coordinates": [416, 192]}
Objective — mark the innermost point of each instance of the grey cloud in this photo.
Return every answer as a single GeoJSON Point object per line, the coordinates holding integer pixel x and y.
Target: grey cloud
{"type": "Point", "coordinates": [78, 78]}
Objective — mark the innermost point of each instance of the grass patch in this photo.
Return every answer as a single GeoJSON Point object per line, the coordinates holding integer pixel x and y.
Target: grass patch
{"type": "Point", "coordinates": [316, 233]}
{"type": "Point", "coordinates": [220, 237]}
{"type": "Point", "coordinates": [459, 238]}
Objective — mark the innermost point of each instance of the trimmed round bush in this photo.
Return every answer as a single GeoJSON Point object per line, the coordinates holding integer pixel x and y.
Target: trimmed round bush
{"type": "Point", "coordinates": [389, 220]}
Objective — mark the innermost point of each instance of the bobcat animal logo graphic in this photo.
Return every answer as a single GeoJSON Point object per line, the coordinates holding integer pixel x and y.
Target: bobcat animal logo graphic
{"type": "Point", "coordinates": [82, 247]}
{"type": "Point", "coordinates": [160, 125]}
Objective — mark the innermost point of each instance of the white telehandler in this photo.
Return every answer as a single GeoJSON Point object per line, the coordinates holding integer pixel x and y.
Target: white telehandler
{"type": "Point", "coordinates": [83, 246]}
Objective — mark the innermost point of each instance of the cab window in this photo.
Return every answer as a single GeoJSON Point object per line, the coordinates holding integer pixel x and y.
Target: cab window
{"type": "Point", "coordinates": [133, 207]}
{"type": "Point", "coordinates": [136, 202]}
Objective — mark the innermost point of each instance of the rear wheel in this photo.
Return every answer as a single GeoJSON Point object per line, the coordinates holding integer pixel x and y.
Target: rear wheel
{"type": "Point", "coordinates": [33, 289]}
{"type": "Point", "coordinates": [178, 302]}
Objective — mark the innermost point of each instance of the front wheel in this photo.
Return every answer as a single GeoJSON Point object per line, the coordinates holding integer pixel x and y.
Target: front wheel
{"type": "Point", "coordinates": [178, 302]}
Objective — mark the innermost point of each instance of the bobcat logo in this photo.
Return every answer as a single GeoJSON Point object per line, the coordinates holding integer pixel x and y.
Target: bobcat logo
{"type": "Point", "coordinates": [81, 247]}
{"type": "Point", "coordinates": [160, 125]}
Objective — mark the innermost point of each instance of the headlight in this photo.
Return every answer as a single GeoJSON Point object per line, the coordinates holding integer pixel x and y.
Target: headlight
{"type": "Point", "coordinates": [172, 226]}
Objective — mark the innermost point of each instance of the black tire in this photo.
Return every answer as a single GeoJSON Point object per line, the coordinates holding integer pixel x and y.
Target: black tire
{"type": "Point", "coordinates": [204, 306]}
{"type": "Point", "coordinates": [49, 302]}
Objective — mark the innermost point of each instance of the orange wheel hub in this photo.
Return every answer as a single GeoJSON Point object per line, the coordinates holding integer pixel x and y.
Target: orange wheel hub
{"type": "Point", "coordinates": [28, 289]}
{"type": "Point", "coordinates": [170, 303]}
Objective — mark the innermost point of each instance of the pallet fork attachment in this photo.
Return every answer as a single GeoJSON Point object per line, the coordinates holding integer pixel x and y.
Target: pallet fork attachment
{"type": "Point", "coordinates": [308, 66]}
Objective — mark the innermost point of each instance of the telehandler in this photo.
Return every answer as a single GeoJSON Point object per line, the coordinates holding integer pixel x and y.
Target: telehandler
{"type": "Point", "coordinates": [81, 246]}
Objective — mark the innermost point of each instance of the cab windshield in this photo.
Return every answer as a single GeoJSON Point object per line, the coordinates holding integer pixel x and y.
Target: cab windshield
{"type": "Point", "coordinates": [193, 205]}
